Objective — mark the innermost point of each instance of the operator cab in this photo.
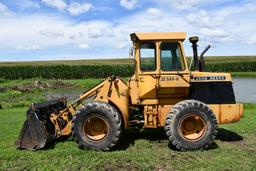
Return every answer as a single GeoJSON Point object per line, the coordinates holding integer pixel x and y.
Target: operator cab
{"type": "Point", "coordinates": [158, 52]}
{"type": "Point", "coordinates": [161, 69]}
{"type": "Point", "coordinates": [170, 57]}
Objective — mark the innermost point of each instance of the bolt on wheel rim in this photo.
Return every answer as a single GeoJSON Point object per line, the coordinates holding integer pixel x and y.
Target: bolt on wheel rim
{"type": "Point", "coordinates": [96, 128]}
{"type": "Point", "coordinates": [192, 127]}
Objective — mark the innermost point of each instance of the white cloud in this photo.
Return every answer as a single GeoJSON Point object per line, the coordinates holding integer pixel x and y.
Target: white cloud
{"type": "Point", "coordinates": [83, 46]}
{"type": "Point", "coordinates": [145, 21]}
{"type": "Point", "coordinates": [155, 13]}
{"type": "Point", "coordinates": [129, 4]}
{"type": "Point", "coordinates": [203, 19]}
{"type": "Point", "coordinates": [59, 4]}
{"type": "Point", "coordinates": [250, 6]}
{"type": "Point", "coordinates": [180, 4]}
{"type": "Point", "coordinates": [77, 35]}
{"type": "Point", "coordinates": [4, 10]}
{"type": "Point", "coordinates": [33, 47]}
{"type": "Point", "coordinates": [120, 45]}
{"type": "Point", "coordinates": [51, 33]}
{"type": "Point", "coordinates": [235, 9]}
{"type": "Point", "coordinates": [252, 40]}
{"type": "Point", "coordinates": [213, 32]}
{"type": "Point", "coordinates": [214, 35]}
{"type": "Point", "coordinates": [94, 33]}
{"type": "Point", "coordinates": [227, 24]}
{"type": "Point", "coordinates": [43, 31]}
{"type": "Point", "coordinates": [185, 4]}
{"type": "Point", "coordinates": [26, 4]}
{"type": "Point", "coordinates": [32, 30]}
{"type": "Point", "coordinates": [76, 8]}
{"type": "Point", "coordinates": [91, 29]}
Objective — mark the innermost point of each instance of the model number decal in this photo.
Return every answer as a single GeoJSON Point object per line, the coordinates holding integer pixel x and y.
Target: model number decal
{"type": "Point", "coordinates": [170, 78]}
{"type": "Point", "coordinates": [210, 78]}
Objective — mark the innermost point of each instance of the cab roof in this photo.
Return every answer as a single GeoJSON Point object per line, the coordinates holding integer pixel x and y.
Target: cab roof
{"type": "Point", "coordinates": [158, 36]}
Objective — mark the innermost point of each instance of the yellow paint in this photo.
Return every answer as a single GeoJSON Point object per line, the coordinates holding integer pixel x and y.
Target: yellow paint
{"type": "Point", "coordinates": [161, 36]}
{"type": "Point", "coordinates": [133, 90]}
{"type": "Point", "coordinates": [147, 87]}
{"type": "Point", "coordinates": [227, 113]}
{"type": "Point", "coordinates": [117, 95]}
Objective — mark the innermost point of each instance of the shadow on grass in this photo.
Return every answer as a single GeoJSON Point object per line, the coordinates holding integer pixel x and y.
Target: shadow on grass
{"type": "Point", "coordinates": [155, 135]}
{"type": "Point", "coordinates": [131, 135]}
{"type": "Point", "coordinates": [211, 147]}
{"type": "Point", "coordinates": [52, 144]}
{"type": "Point", "coordinates": [228, 136]}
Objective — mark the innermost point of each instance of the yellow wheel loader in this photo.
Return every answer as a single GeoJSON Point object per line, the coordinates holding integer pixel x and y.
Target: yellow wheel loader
{"type": "Point", "coordinates": [163, 92]}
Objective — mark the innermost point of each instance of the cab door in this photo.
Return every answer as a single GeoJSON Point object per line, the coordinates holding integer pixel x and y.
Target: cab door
{"type": "Point", "coordinates": [174, 76]}
{"type": "Point", "coordinates": [162, 74]}
{"type": "Point", "coordinates": [148, 71]}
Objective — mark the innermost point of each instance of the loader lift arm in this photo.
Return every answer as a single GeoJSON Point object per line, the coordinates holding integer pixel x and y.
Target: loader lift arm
{"type": "Point", "coordinates": [50, 120]}
{"type": "Point", "coordinates": [71, 109]}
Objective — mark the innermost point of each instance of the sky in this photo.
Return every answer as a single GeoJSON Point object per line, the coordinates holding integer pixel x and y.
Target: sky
{"type": "Point", "coordinates": [95, 29]}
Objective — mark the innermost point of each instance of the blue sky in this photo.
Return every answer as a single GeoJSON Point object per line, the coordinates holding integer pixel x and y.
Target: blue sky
{"type": "Point", "coordinates": [94, 29]}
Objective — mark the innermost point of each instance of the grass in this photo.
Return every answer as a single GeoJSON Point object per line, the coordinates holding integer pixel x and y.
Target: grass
{"type": "Point", "coordinates": [234, 148]}
{"type": "Point", "coordinates": [244, 74]}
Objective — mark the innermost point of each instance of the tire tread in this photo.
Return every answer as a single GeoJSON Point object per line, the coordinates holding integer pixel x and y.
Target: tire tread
{"type": "Point", "coordinates": [115, 119]}
{"type": "Point", "coordinates": [176, 110]}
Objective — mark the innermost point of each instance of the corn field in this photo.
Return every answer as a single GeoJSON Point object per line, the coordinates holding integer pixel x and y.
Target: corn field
{"type": "Point", "coordinates": [65, 71]}
{"type": "Point", "coordinates": [232, 67]}
{"type": "Point", "coordinates": [100, 71]}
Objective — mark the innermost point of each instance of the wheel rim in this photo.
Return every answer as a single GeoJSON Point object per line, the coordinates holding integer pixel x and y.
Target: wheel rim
{"type": "Point", "coordinates": [96, 128]}
{"type": "Point", "coordinates": [192, 127]}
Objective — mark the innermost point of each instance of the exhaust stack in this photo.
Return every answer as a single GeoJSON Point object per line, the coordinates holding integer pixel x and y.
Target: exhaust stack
{"type": "Point", "coordinates": [194, 41]}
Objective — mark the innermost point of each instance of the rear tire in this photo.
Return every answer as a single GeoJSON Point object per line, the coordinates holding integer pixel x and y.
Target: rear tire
{"type": "Point", "coordinates": [191, 125]}
{"type": "Point", "coordinates": [97, 126]}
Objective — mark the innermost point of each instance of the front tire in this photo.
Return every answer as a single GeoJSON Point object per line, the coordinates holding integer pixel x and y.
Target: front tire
{"type": "Point", "coordinates": [97, 126]}
{"type": "Point", "coordinates": [191, 125]}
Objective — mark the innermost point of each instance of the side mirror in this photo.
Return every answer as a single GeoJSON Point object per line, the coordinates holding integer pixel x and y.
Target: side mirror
{"type": "Point", "coordinates": [131, 52]}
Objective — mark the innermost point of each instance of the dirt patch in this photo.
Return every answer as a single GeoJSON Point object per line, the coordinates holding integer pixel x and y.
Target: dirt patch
{"type": "Point", "coordinates": [29, 87]}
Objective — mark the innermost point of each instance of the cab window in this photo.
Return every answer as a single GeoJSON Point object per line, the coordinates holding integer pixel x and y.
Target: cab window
{"type": "Point", "coordinates": [148, 56]}
{"type": "Point", "coordinates": [171, 58]}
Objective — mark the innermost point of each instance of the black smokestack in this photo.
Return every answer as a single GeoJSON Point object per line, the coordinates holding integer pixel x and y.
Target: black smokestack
{"type": "Point", "coordinates": [194, 41]}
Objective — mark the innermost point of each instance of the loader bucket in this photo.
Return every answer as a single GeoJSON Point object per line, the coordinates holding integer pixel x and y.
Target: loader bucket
{"type": "Point", "coordinates": [38, 130]}
{"type": "Point", "coordinates": [33, 136]}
